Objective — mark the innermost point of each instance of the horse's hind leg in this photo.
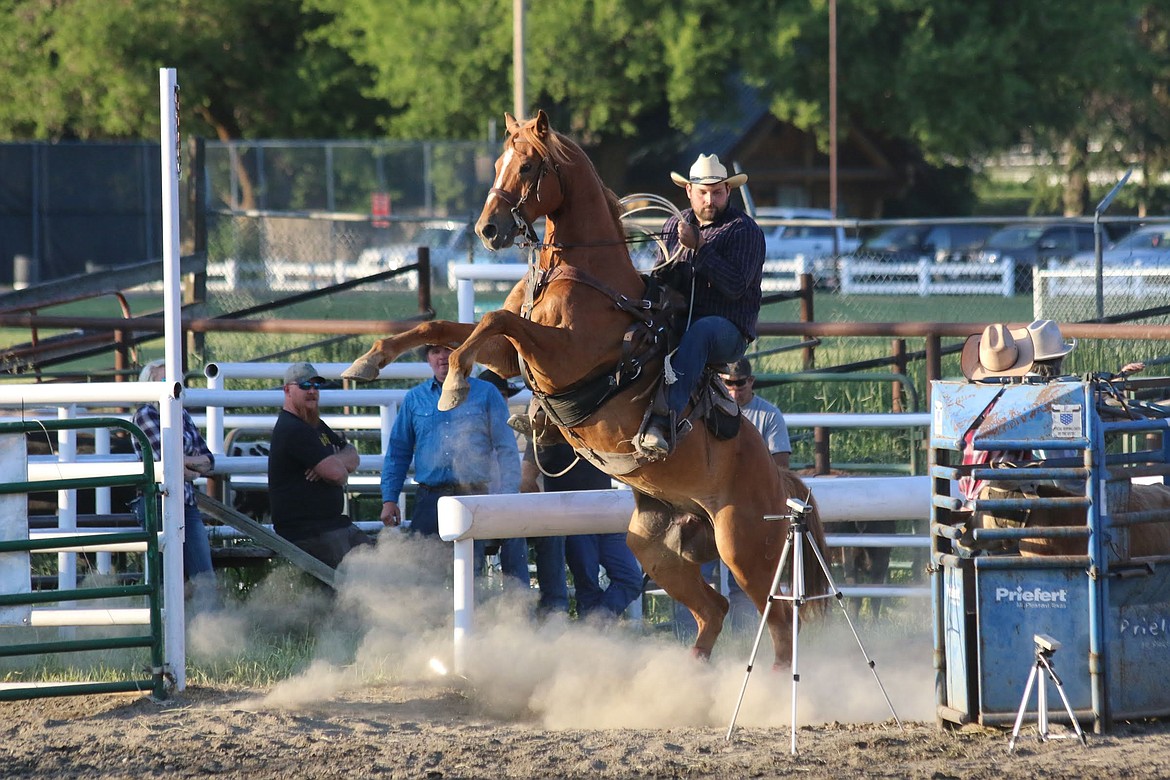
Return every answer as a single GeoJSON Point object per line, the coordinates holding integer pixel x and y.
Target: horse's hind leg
{"type": "Point", "coordinates": [670, 548]}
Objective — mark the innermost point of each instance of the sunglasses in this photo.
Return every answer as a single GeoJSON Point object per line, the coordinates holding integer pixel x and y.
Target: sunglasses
{"type": "Point", "coordinates": [736, 382]}
{"type": "Point", "coordinates": [310, 384]}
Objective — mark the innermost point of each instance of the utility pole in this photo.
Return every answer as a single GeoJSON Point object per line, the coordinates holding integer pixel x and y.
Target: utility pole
{"type": "Point", "coordinates": [833, 108]}
{"type": "Point", "coordinates": [519, 109]}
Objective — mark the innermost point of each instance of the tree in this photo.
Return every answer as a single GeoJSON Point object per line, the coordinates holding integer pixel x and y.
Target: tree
{"type": "Point", "coordinates": [247, 68]}
{"type": "Point", "coordinates": [600, 68]}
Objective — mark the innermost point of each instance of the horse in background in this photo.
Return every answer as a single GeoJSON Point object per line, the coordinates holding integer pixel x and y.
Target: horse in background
{"type": "Point", "coordinates": [583, 324]}
{"type": "Point", "coordinates": [1140, 540]}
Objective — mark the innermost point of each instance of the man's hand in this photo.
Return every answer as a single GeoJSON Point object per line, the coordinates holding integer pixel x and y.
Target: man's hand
{"type": "Point", "coordinates": [390, 515]}
{"type": "Point", "coordinates": [197, 463]}
{"type": "Point", "coordinates": [689, 235]}
{"type": "Point", "coordinates": [195, 466]}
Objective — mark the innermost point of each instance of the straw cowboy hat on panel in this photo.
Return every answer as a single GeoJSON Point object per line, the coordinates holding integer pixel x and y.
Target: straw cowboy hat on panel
{"type": "Point", "coordinates": [1048, 341]}
{"type": "Point", "coordinates": [708, 170]}
{"type": "Point", "coordinates": [998, 351]}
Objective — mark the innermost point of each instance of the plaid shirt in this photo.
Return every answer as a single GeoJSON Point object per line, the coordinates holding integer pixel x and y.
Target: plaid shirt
{"type": "Point", "coordinates": [147, 418]}
{"type": "Point", "coordinates": [728, 267]}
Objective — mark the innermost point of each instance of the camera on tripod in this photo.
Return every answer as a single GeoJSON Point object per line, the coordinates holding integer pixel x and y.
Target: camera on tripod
{"type": "Point", "coordinates": [1045, 644]}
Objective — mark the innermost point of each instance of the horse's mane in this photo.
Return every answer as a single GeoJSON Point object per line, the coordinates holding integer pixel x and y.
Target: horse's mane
{"type": "Point", "coordinates": [562, 150]}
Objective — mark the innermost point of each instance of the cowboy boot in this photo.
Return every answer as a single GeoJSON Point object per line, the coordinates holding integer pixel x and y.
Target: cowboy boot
{"type": "Point", "coordinates": [656, 439]}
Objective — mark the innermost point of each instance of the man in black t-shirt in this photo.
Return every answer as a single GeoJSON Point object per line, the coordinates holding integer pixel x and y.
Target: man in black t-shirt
{"type": "Point", "coordinates": [308, 467]}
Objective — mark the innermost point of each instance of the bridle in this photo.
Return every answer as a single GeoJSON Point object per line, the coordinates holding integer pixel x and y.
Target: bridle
{"type": "Point", "coordinates": [522, 224]}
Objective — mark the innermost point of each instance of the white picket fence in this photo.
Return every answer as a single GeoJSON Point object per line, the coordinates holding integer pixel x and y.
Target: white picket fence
{"type": "Point", "coordinates": [231, 275]}
{"type": "Point", "coordinates": [925, 277]}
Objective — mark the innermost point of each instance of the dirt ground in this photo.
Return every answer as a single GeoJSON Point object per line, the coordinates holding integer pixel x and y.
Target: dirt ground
{"type": "Point", "coordinates": [552, 698]}
{"type": "Point", "coordinates": [433, 731]}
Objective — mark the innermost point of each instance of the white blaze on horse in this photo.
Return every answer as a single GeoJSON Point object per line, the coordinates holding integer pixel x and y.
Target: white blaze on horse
{"type": "Point", "coordinates": [592, 340]}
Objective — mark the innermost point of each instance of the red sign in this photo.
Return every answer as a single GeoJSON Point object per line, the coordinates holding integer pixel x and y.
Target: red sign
{"type": "Point", "coordinates": [380, 207]}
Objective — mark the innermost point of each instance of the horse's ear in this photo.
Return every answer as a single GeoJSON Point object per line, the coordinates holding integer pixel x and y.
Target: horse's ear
{"type": "Point", "coordinates": [510, 122]}
{"type": "Point", "coordinates": [541, 123]}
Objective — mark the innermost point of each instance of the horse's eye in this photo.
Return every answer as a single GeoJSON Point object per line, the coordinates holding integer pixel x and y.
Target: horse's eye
{"type": "Point", "coordinates": [525, 168]}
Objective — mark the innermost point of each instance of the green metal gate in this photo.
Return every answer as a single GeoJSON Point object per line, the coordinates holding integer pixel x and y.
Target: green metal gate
{"type": "Point", "coordinates": [150, 586]}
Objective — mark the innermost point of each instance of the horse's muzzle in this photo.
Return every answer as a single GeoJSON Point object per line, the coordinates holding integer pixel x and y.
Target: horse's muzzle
{"type": "Point", "coordinates": [493, 236]}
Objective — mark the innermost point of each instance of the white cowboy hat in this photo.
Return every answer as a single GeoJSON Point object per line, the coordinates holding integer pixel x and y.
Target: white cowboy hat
{"type": "Point", "coordinates": [708, 170]}
{"type": "Point", "coordinates": [1048, 341]}
{"type": "Point", "coordinates": [998, 351]}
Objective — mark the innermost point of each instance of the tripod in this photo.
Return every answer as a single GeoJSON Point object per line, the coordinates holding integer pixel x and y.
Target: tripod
{"type": "Point", "coordinates": [1045, 647]}
{"type": "Point", "coordinates": [794, 545]}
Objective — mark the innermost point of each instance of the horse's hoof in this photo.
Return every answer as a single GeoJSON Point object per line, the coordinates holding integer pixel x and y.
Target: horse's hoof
{"type": "Point", "coordinates": [454, 393]}
{"type": "Point", "coordinates": [699, 654]}
{"type": "Point", "coordinates": [363, 369]}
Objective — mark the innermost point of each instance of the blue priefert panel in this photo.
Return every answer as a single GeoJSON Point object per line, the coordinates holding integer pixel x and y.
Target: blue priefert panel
{"type": "Point", "coordinates": [1013, 605]}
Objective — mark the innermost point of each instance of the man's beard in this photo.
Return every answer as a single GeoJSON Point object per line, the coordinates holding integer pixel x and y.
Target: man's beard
{"type": "Point", "coordinates": [708, 214]}
{"type": "Point", "coordinates": [311, 415]}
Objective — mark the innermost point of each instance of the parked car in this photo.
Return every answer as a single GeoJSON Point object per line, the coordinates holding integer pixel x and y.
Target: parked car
{"type": "Point", "coordinates": [1147, 247]}
{"type": "Point", "coordinates": [803, 238]}
{"type": "Point", "coordinates": [449, 241]}
{"type": "Point", "coordinates": [1032, 245]}
{"type": "Point", "coordinates": [941, 242]}
{"type": "Point", "coordinates": [819, 244]}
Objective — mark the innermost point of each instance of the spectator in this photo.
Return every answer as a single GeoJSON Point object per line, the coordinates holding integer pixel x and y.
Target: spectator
{"type": "Point", "coordinates": [308, 468]}
{"type": "Point", "coordinates": [586, 554]}
{"type": "Point", "coordinates": [197, 461]}
{"type": "Point", "coordinates": [717, 253]}
{"type": "Point", "coordinates": [467, 451]}
{"type": "Point", "coordinates": [769, 421]}
{"type": "Point", "coordinates": [549, 550]}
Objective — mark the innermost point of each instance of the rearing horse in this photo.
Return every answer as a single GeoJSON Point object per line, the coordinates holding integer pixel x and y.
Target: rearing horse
{"type": "Point", "coordinates": [567, 321]}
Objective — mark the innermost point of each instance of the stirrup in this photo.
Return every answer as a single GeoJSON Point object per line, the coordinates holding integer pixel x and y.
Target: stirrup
{"type": "Point", "coordinates": [655, 440]}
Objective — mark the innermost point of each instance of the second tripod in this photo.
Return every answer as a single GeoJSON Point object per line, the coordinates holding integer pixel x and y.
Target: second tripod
{"type": "Point", "coordinates": [794, 545]}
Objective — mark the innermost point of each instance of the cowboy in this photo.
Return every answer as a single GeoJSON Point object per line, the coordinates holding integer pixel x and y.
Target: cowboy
{"type": "Point", "coordinates": [1034, 353]}
{"type": "Point", "coordinates": [720, 250]}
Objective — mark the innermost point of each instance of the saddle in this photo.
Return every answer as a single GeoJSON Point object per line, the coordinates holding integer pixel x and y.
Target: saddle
{"type": "Point", "coordinates": [710, 403]}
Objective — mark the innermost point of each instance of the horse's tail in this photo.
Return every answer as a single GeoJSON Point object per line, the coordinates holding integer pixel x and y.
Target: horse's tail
{"type": "Point", "coordinates": [816, 582]}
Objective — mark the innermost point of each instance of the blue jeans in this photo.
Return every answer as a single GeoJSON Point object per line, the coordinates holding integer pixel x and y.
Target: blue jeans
{"type": "Point", "coordinates": [708, 340]}
{"type": "Point", "coordinates": [550, 573]}
{"type": "Point", "coordinates": [513, 559]}
{"type": "Point", "coordinates": [424, 519]}
{"type": "Point", "coordinates": [585, 555]}
{"type": "Point", "coordinates": [196, 545]}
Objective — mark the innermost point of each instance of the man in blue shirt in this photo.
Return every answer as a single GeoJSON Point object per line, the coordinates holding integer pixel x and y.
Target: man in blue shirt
{"type": "Point", "coordinates": [722, 251]}
{"type": "Point", "coordinates": [469, 450]}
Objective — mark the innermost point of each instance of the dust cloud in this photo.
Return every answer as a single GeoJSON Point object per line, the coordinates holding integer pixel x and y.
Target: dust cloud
{"type": "Point", "coordinates": [391, 622]}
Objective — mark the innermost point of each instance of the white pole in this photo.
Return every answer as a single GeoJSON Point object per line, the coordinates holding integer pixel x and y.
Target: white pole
{"type": "Point", "coordinates": [464, 586]}
{"type": "Point", "coordinates": [173, 535]}
{"type": "Point", "coordinates": [67, 502]}
{"type": "Point", "coordinates": [171, 407]}
{"type": "Point", "coordinates": [215, 415]}
{"type": "Point", "coordinates": [102, 506]}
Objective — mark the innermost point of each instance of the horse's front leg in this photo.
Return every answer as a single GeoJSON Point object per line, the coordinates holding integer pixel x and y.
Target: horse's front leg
{"type": "Point", "coordinates": [385, 350]}
{"type": "Point", "coordinates": [498, 328]}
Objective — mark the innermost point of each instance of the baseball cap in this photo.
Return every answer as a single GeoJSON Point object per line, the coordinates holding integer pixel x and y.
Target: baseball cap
{"type": "Point", "coordinates": [301, 372]}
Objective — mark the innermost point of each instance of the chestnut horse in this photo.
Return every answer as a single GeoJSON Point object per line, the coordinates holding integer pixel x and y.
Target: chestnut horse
{"type": "Point", "coordinates": [1141, 540]}
{"type": "Point", "coordinates": [567, 323]}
